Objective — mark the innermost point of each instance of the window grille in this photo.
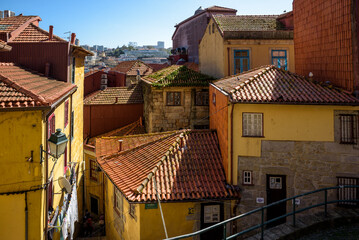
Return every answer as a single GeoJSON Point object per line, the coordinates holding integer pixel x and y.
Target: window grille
{"type": "Point", "coordinates": [173, 99]}
{"type": "Point", "coordinates": [348, 129]}
{"type": "Point", "coordinates": [252, 124]}
{"type": "Point", "coordinates": [348, 193]}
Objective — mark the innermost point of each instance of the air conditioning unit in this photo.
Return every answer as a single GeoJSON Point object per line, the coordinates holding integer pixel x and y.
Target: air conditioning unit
{"type": "Point", "coordinates": [103, 87]}
{"type": "Point", "coordinates": [104, 79]}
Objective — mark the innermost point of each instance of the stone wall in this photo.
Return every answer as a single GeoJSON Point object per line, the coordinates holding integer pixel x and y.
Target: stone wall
{"type": "Point", "coordinates": [160, 117]}
{"type": "Point", "coordinates": [307, 165]}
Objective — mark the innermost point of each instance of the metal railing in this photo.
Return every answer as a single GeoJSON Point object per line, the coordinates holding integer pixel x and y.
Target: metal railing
{"type": "Point", "coordinates": [261, 209]}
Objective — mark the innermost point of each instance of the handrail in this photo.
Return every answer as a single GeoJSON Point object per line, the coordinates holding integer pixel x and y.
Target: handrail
{"type": "Point", "coordinates": [263, 223]}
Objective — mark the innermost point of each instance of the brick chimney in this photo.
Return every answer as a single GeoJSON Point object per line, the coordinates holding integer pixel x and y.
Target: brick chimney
{"type": "Point", "coordinates": [120, 145]}
{"type": "Point", "coordinates": [73, 38]}
{"type": "Point", "coordinates": [51, 32]}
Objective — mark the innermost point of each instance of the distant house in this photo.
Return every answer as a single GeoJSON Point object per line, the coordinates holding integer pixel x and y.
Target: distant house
{"type": "Point", "coordinates": [282, 135]}
{"type": "Point", "coordinates": [190, 31]}
{"type": "Point", "coordinates": [133, 69]}
{"type": "Point", "coordinates": [175, 98]}
{"type": "Point", "coordinates": [329, 52]}
{"type": "Point", "coordinates": [94, 199]}
{"type": "Point", "coordinates": [112, 108]}
{"type": "Point", "coordinates": [99, 80]}
{"type": "Point", "coordinates": [180, 170]}
{"type": "Point", "coordinates": [235, 44]}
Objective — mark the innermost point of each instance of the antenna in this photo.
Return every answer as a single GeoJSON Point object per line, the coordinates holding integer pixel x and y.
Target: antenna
{"type": "Point", "coordinates": [69, 37]}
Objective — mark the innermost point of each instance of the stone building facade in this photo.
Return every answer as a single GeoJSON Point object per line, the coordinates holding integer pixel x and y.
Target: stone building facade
{"type": "Point", "coordinates": [175, 98]}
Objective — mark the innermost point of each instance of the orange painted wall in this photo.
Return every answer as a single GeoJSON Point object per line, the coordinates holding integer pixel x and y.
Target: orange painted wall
{"type": "Point", "coordinates": [323, 40]}
{"type": "Point", "coordinates": [219, 121]}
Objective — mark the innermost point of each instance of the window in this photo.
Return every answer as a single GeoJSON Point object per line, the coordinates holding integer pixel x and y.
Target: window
{"type": "Point", "coordinates": [241, 61]}
{"type": "Point", "coordinates": [348, 128]}
{"type": "Point", "coordinates": [72, 125]}
{"type": "Point", "coordinates": [66, 113]}
{"type": "Point", "coordinates": [73, 70]}
{"type": "Point", "coordinates": [202, 98]}
{"type": "Point", "coordinates": [275, 182]}
{"type": "Point", "coordinates": [118, 203]}
{"type": "Point", "coordinates": [133, 210]}
{"type": "Point", "coordinates": [279, 58]}
{"type": "Point", "coordinates": [252, 124]}
{"type": "Point", "coordinates": [93, 170]}
{"type": "Point", "coordinates": [247, 178]}
{"type": "Point", "coordinates": [348, 193]}
{"type": "Point", "coordinates": [65, 160]}
{"type": "Point", "coordinates": [94, 205]}
{"type": "Point", "coordinates": [173, 99]}
{"type": "Point", "coordinates": [51, 127]}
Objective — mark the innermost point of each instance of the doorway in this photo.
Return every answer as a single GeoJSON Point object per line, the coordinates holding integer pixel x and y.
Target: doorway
{"type": "Point", "coordinates": [211, 213]}
{"type": "Point", "coordinates": [276, 191]}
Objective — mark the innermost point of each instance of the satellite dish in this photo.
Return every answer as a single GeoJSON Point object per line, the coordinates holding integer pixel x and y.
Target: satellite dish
{"type": "Point", "coordinates": [64, 184]}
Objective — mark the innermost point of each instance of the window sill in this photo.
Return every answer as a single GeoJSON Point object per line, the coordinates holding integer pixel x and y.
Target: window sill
{"type": "Point", "coordinates": [247, 184]}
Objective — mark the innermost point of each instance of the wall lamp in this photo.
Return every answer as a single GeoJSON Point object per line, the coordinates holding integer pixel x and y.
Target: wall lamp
{"type": "Point", "coordinates": [57, 144]}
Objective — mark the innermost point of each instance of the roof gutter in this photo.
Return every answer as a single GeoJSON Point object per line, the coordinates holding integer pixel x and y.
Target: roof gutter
{"type": "Point", "coordinates": [55, 104]}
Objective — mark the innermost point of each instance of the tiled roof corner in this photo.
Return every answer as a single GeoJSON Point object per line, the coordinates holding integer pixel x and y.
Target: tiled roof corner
{"type": "Point", "coordinates": [186, 165]}
{"type": "Point", "coordinates": [269, 84]}
{"type": "Point", "coordinates": [24, 88]}
{"type": "Point", "coordinates": [176, 76]}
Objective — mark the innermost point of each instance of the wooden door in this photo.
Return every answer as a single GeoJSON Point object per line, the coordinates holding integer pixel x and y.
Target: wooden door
{"type": "Point", "coordinates": [211, 213]}
{"type": "Point", "coordinates": [276, 190]}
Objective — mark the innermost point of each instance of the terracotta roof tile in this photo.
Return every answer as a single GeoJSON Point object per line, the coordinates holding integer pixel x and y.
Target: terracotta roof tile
{"type": "Point", "coordinates": [192, 65]}
{"type": "Point", "coordinates": [269, 84]}
{"type": "Point", "coordinates": [187, 169]}
{"type": "Point", "coordinates": [177, 75]}
{"type": "Point", "coordinates": [10, 24]}
{"type": "Point", "coordinates": [131, 67]}
{"type": "Point", "coordinates": [20, 87]}
{"type": "Point", "coordinates": [158, 66]}
{"type": "Point", "coordinates": [219, 8]}
{"type": "Point", "coordinates": [116, 95]}
{"type": "Point", "coordinates": [134, 128]}
{"type": "Point", "coordinates": [247, 22]}
{"type": "Point", "coordinates": [33, 33]}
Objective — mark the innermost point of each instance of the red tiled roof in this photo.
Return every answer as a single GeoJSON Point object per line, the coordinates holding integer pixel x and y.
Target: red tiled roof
{"type": "Point", "coordinates": [219, 8]}
{"type": "Point", "coordinates": [270, 84]}
{"type": "Point", "coordinates": [110, 145]}
{"type": "Point", "coordinates": [131, 67]}
{"type": "Point", "coordinates": [192, 65]}
{"type": "Point", "coordinates": [192, 171]}
{"type": "Point", "coordinates": [10, 24]}
{"type": "Point", "coordinates": [134, 128]}
{"type": "Point", "coordinates": [116, 95]}
{"type": "Point", "coordinates": [23, 88]}
{"type": "Point", "coordinates": [157, 66]}
{"type": "Point", "coordinates": [247, 22]}
{"type": "Point", "coordinates": [33, 33]}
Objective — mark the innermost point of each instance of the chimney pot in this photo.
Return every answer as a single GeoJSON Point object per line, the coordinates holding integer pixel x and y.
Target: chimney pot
{"type": "Point", "coordinates": [51, 32]}
{"type": "Point", "coordinates": [120, 145]}
{"type": "Point", "coordinates": [73, 38]}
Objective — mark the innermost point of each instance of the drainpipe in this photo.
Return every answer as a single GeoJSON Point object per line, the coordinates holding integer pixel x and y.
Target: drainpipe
{"type": "Point", "coordinates": [232, 143]}
{"type": "Point", "coordinates": [46, 175]}
{"type": "Point", "coordinates": [229, 65]}
{"type": "Point", "coordinates": [26, 219]}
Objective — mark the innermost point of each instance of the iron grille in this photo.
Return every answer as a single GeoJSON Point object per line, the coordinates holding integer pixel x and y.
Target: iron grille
{"type": "Point", "coordinates": [348, 193]}
{"type": "Point", "coordinates": [348, 129]}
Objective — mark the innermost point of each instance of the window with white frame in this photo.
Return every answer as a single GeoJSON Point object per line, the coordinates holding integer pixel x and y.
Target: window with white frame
{"type": "Point", "coordinates": [252, 125]}
{"type": "Point", "coordinates": [247, 178]}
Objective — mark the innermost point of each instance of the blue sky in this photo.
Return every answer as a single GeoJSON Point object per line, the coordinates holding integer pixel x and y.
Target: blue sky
{"type": "Point", "coordinates": [113, 23]}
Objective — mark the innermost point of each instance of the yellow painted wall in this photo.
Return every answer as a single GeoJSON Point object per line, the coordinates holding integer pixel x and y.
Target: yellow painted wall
{"type": "Point", "coordinates": [283, 123]}
{"type": "Point", "coordinates": [20, 134]}
{"type": "Point", "coordinates": [215, 53]}
{"type": "Point", "coordinates": [93, 188]}
{"type": "Point", "coordinates": [212, 53]}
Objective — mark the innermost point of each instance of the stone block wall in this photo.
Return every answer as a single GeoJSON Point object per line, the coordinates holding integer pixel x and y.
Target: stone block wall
{"type": "Point", "coordinates": [160, 117]}
{"type": "Point", "coordinates": [307, 166]}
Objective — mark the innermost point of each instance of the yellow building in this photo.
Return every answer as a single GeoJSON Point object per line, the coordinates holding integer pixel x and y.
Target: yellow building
{"type": "Point", "coordinates": [234, 44]}
{"type": "Point", "coordinates": [32, 107]}
{"type": "Point", "coordinates": [282, 135]}
{"type": "Point", "coordinates": [94, 178]}
{"type": "Point", "coordinates": [164, 183]}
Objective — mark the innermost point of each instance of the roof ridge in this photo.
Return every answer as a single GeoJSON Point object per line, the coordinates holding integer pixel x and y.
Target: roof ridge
{"type": "Point", "coordinates": [172, 149]}
{"type": "Point", "coordinates": [137, 135]}
{"type": "Point", "coordinates": [135, 148]}
{"type": "Point", "coordinates": [21, 89]}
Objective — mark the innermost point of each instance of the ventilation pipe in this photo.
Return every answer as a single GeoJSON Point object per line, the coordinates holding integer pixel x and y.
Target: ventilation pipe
{"type": "Point", "coordinates": [51, 32]}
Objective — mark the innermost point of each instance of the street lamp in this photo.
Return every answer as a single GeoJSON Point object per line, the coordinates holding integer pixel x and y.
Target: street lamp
{"type": "Point", "coordinates": [57, 144]}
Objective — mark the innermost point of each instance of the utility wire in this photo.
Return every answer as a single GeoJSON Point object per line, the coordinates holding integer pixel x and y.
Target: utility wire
{"type": "Point", "coordinates": [159, 203]}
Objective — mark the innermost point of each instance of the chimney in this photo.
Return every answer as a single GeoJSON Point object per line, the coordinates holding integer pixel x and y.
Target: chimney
{"type": "Point", "coordinates": [116, 101]}
{"type": "Point", "coordinates": [51, 32]}
{"type": "Point", "coordinates": [120, 145]}
{"type": "Point", "coordinates": [73, 38]}
{"type": "Point", "coordinates": [141, 121]}
{"type": "Point", "coordinates": [47, 69]}
{"type": "Point", "coordinates": [310, 75]}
